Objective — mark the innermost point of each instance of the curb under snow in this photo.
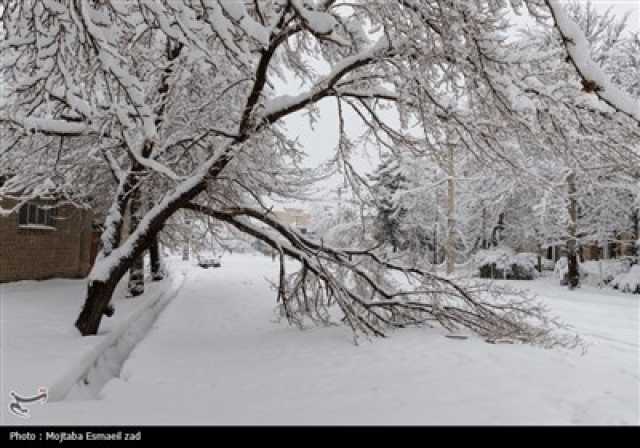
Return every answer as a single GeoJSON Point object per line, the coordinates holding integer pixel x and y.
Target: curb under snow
{"type": "Point", "coordinates": [104, 361]}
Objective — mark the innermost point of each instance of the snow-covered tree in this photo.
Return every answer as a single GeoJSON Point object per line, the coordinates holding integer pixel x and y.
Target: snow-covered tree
{"type": "Point", "coordinates": [177, 100]}
{"type": "Point", "coordinates": [386, 182]}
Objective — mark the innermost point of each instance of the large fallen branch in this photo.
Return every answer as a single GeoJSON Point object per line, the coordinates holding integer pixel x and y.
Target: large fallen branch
{"type": "Point", "coordinates": [373, 300]}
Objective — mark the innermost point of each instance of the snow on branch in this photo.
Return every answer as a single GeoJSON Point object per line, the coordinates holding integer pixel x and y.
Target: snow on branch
{"type": "Point", "coordinates": [320, 23]}
{"type": "Point", "coordinates": [283, 105]}
{"type": "Point", "coordinates": [111, 61]}
{"type": "Point", "coordinates": [594, 79]}
{"type": "Point", "coordinates": [49, 126]}
{"type": "Point", "coordinates": [372, 300]}
{"type": "Point", "coordinates": [237, 11]}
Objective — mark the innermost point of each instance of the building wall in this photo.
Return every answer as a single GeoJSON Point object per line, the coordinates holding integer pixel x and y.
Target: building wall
{"type": "Point", "coordinates": [41, 253]}
{"type": "Point", "coordinates": [623, 247]}
{"type": "Point", "coordinates": [296, 217]}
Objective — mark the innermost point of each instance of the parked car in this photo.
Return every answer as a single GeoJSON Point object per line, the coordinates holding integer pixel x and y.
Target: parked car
{"type": "Point", "coordinates": [211, 262]}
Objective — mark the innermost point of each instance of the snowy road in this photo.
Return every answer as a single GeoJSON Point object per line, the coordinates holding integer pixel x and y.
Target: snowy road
{"type": "Point", "coordinates": [216, 356]}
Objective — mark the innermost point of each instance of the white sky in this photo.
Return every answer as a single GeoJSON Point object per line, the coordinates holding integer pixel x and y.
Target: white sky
{"type": "Point", "coordinates": [320, 143]}
{"type": "Point", "coordinates": [621, 7]}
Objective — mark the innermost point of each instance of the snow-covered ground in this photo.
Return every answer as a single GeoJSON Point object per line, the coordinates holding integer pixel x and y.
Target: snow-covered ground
{"type": "Point", "coordinates": [216, 355]}
{"type": "Point", "coordinates": [40, 347]}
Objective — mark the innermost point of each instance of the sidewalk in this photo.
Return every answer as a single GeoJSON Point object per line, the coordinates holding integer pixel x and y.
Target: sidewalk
{"type": "Point", "coordinates": [39, 345]}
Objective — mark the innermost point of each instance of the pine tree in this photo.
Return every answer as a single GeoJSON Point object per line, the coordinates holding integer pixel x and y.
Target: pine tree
{"type": "Point", "coordinates": [386, 182]}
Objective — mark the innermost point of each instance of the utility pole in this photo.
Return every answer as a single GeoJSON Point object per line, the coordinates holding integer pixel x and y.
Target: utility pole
{"type": "Point", "coordinates": [187, 246]}
{"type": "Point", "coordinates": [451, 203]}
{"type": "Point", "coordinates": [573, 274]}
{"type": "Point", "coordinates": [484, 227]}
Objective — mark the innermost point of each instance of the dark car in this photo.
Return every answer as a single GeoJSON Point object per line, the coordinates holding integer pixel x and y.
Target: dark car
{"type": "Point", "coordinates": [207, 263]}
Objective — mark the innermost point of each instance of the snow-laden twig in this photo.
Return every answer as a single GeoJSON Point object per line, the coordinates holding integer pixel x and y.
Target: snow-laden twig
{"type": "Point", "coordinates": [594, 79]}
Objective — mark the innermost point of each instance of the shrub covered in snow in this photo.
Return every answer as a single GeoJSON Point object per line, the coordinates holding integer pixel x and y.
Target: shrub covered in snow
{"type": "Point", "coordinates": [628, 281]}
{"type": "Point", "coordinates": [490, 261]}
{"type": "Point", "coordinates": [590, 271]}
{"type": "Point", "coordinates": [593, 272]}
{"type": "Point", "coordinates": [502, 262]}
{"type": "Point", "coordinates": [524, 266]}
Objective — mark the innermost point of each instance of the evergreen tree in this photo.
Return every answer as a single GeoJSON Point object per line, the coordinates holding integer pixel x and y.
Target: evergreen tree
{"type": "Point", "coordinates": [386, 182]}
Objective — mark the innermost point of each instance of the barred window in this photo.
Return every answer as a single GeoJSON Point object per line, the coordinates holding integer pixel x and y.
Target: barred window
{"type": "Point", "coordinates": [34, 215]}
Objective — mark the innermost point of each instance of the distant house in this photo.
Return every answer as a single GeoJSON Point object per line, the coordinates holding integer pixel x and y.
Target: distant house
{"type": "Point", "coordinates": [40, 242]}
{"type": "Point", "coordinates": [623, 246]}
{"type": "Point", "coordinates": [296, 217]}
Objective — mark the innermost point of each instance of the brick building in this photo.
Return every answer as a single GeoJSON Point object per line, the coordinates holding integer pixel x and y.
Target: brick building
{"type": "Point", "coordinates": [41, 242]}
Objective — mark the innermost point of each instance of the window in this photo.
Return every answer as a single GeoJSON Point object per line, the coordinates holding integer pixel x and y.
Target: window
{"type": "Point", "coordinates": [34, 215]}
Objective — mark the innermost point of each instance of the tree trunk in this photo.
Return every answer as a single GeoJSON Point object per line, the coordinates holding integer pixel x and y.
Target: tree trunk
{"type": "Point", "coordinates": [114, 223]}
{"type": "Point", "coordinates": [97, 304]}
{"type": "Point", "coordinates": [572, 256]}
{"type": "Point", "coordinates": [496, 232]}
{"type": "Point", "coordinates": [485, 244]}
{"type": "Point", "coordinates": [635, 217]}
{"type": "Point", "coordinates": [99, 292]}
{"type": "Point", "coordinates": [435, 244]}
{"type": "Point", "coordinates": [135, 286]}
{"type": "Point", "coordinates": [451, 212]}
{"type": "Point", "coordinates": [157, 272]}
{"type": "Point", "coordinates": [136, 271]}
